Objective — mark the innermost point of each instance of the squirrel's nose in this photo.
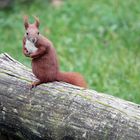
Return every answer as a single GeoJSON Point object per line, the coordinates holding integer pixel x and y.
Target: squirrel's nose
{"type": "Point", "coordinates": [33, 40]}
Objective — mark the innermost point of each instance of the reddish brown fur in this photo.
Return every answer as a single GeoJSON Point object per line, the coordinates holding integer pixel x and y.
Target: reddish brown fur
{"type": "Point", "coordinates": [44, 60]}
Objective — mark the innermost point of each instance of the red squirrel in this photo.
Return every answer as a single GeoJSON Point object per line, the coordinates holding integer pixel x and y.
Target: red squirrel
{"type": "Point", "coordinates": [44, 59]}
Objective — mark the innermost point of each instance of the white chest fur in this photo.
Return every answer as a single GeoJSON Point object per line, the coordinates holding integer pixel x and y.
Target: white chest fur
{"type": "Point", "coordinates": [30, 46]}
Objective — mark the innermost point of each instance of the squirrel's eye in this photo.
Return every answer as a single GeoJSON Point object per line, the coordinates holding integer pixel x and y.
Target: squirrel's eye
{"type": "Point", "coordinates": [26, 33]}
{"type": "Point", "coordinates": [38, 33]}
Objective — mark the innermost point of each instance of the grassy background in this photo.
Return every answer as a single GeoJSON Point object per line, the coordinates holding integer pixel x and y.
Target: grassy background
{"type": "Point", "coordinates": [99, 39]}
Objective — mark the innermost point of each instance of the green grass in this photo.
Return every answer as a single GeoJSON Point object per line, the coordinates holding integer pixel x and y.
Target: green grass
{"type": "Point", "coordinates": [99, 39]}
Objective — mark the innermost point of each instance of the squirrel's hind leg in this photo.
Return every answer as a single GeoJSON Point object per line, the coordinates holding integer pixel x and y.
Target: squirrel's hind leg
{"type": "Point", "coordinates": [35, 84]}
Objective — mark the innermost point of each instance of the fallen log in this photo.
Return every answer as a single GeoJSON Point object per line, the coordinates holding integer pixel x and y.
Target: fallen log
{"type": "Point", "coordinates": [60, 111]}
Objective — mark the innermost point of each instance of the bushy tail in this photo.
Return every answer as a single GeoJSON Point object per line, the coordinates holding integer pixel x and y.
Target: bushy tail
{"type": "Point", "coordinates": [72, 78]}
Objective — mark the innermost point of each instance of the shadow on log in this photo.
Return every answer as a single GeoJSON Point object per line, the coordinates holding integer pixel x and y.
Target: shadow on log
{"type": "Point", "coordinates": [60, 111]}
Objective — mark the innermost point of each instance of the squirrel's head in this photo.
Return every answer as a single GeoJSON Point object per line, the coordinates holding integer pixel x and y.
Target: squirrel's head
{"type": "Point", "coordinates": [32, 30]}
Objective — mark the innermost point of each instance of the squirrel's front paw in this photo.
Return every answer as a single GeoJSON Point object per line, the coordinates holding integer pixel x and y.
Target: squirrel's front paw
{"type": "Point", "coordinates": [32, 55]}
{"type": "Point", "coordinates": [26, 53]}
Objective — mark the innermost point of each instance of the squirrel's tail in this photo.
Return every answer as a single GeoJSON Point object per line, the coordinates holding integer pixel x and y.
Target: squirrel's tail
{"type": "Point", "coordinates": [72, 78]}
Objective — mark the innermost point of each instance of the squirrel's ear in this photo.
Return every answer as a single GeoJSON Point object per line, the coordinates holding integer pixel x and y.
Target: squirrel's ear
{"type": "Point", "coordinates": [37, 21]}
{"type": "Point", "coordinates": [26, 23]}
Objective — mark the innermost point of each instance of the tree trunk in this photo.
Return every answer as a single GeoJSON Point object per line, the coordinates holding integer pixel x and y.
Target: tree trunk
{"type": "Point", "coordinates": [5, 3]}
{"type": "Point", "coordinates": [60, 111]}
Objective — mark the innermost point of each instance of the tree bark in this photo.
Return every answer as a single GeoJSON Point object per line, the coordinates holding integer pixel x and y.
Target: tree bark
{"type": "Point", "coordinates": [60, 111]}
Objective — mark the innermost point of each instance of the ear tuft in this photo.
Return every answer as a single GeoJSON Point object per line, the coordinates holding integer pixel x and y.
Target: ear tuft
{"type": "Point", "coordinates": [26, 23]}
{"type": "Point", "coordinates": [36, 21]}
